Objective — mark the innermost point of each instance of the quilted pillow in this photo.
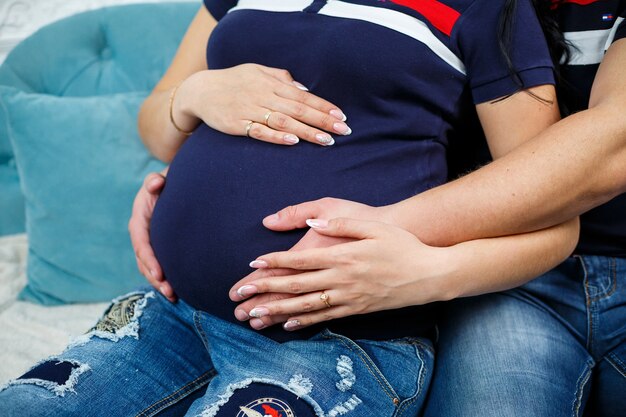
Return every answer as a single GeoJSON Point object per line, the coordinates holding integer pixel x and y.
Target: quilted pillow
{"type": "Point", "coordinates": [80, 163]}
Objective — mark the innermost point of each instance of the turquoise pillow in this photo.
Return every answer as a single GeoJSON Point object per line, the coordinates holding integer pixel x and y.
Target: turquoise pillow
{"type": "Point", "coordinates": [80, 163]}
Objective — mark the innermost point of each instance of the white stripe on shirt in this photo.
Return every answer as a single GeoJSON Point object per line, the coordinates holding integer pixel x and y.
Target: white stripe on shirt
{"type": "Point", "coordinates": [388, 18]}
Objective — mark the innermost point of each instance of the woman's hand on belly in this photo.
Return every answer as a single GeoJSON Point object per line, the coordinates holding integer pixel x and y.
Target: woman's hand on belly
{"type": "Point", "coordinates": [243, 312]}
{"type": "Point", "coordinates": [261, 102]}
{"type": "Point", "coordinates": [385, 268]}
{"type": "Point", "coordinates": [139, 225]}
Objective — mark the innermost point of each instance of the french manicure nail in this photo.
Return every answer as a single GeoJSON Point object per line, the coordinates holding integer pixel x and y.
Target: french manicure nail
{"type": "Point", "coordinates": [246, 290]}
{"type": "Point", "coordinates": [338, 114]}
{"type": "Point", "coordinates": [241, 314]}
{"type": "Point", "coordinates": [258, 264]}
{"type": "Point", "coordinates": [272, 219]}
{"type": "Point", "coordinates": [164, 291]}
{"type": "Point", "coordinates": [325, 139]}
{"type": "Point", "coordinates": [316, 223]}
{"type": "Point", "coordinates": [291, 139]}
{"type": "Point", "coordinates": [300, 86]}
{"type": "Point", "coordinates": [342, 128]}
{"type": "Point", "coordinates": [258, 312]}
{"type": "Point", "coordinates": [291, 324]}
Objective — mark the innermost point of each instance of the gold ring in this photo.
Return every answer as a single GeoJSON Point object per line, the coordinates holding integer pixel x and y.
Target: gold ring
{"type": "Point", "coordinates": [325, 298]}
{"type": "Point", "coordinates": [266, 118]}
{"type": "Point", "coordinates": [248, 127]}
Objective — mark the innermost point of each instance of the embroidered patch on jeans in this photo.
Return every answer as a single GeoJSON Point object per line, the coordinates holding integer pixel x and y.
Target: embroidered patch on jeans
{"type": "Point", "coordinates": [262, 407]}
{"type": "Point", "coordinates": [120, 314]}
{"type": "Point", "coordinates": [261, 400]}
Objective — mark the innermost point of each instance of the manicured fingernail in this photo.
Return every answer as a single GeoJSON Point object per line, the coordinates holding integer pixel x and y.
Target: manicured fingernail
{"type": "Point", "coordinates": [317, 223]}
{"type": "Point", "coordinates": [342, 128]}
{"type": "Point", "coordinates": [241, 314]}
{"type": "Point", "coordinates": [300, 86]}
{"type": "Point", "coordinates": [338, 114]}
{"type": "Point", "coordinates": [164, 291]}
{"type": "Point", "coordinates": [258, 312]}
{"type": "Point", "coordinates": [325, 139]}
{"type": "Point", "coordinates": [291, 139]}
{"type": "Point", "coordinates": [257, 324]}
{"type": "Point", "coordinates": [258, 264]}
{"type": "Point", "coordinates": [291, 324]}
{"type": "Point", "coordinates": [272, 219]}
{"type": "Point", "coordinates": [246, 290]}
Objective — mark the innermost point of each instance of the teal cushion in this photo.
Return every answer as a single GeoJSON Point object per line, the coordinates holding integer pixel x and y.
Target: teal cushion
{"type": "Point", "coordinates": [80, 163]}
{"type": "Point", "coordinates": [106, 51]}
{"type": "Point", "coordinates": [11, 200]}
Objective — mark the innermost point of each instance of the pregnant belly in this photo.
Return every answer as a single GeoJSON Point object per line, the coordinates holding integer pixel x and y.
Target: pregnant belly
{"type": "Point", "coordinates": [207, 226]}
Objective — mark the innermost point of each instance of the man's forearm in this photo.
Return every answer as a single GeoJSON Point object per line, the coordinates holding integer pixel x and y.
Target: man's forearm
{"type": "Point", "coordinates": [563, 172]}
{"type": "Point", "coordinates": [575, 165]}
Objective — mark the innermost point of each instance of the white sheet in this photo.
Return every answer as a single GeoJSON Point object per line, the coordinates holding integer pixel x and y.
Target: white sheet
{"type": "Point", "coordinates": [30, 332]}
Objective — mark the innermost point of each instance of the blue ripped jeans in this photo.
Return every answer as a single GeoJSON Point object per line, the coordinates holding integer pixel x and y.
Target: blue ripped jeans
{"type": "Point", "coordinates": [148, 357]}
{"type": "Point", "coordinates": [553, 347]}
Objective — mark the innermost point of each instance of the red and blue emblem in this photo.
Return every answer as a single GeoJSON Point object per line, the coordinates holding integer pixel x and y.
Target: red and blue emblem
{"type": "Point", "coordinates": [266, 407]}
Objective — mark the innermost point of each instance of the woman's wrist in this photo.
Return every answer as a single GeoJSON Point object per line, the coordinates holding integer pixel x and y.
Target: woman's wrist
{"type": "Point", "coordinates": [183, 108]}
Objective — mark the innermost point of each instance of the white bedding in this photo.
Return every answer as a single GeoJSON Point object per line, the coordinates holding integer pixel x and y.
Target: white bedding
{"type": "Point", "coordinates": [30, 332]}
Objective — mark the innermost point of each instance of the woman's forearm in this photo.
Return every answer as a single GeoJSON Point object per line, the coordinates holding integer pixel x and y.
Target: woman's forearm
{"type": "Point", "coordinates": [496, 264]}
{"type": "Point", "coordinates": [156, 129]}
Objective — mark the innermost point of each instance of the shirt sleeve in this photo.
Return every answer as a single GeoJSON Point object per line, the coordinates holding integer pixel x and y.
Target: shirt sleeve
{"type": "Point", "coordinates": [219, 8]}
{"type": "Point", "coordinates": [488, 74]}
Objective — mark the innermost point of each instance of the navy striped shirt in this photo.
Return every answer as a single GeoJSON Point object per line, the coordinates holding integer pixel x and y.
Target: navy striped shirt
{"type": "Point", "coordinates": [406, 73]}
{"type": "Point", "coordinates": [591, 27]}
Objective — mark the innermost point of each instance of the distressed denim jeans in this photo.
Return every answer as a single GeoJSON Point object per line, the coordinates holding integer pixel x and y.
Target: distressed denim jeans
{"type": "Point", "coordinates": [148, 356]}
{"type": "Point", "coordinates": [553, 347]}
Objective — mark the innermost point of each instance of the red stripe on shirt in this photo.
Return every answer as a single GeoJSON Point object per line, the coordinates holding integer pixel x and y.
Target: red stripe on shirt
{"type": "Point", "coordinates": [438, 14]}
{"type": "Point", "coordinates": [556, 3]}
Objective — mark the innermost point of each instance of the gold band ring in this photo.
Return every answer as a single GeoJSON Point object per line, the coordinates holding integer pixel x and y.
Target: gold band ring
{"type": "Point", "coordinates": [325, 298]}
{"type": "Point", "coordinates": [266, 118]}
{"type": "Point", "coordinates": [248, 127]}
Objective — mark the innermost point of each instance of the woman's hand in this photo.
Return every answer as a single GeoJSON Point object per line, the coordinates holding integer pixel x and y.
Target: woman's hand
{"type": "Point", "coordinates": [283, 111]}
{"type": "Point", "coordinates": [385, 268]}
{"type": "Point", "coordinates": [139, 228]}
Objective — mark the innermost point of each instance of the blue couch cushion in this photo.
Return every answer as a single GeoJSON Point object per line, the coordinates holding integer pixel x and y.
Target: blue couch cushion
{"type": "Point", "coordinates": [106, 51]}
{"type": "Point", "coordinates": [80, 162]}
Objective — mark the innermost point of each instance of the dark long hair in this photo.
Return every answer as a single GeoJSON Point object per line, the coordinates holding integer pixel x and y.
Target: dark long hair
{"type": "Point", "coordinates": [556, 41]}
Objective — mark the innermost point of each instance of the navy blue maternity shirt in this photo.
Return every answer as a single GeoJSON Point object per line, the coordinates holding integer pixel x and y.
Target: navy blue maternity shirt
{"type": "Point", "coordinates": [406, 73]}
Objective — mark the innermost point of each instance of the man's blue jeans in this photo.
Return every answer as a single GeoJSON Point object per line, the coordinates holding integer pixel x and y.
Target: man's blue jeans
{"type": "Point", "coordinates": [148, 357]}
{"type": "Point", "coordinates": [549, 348]}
